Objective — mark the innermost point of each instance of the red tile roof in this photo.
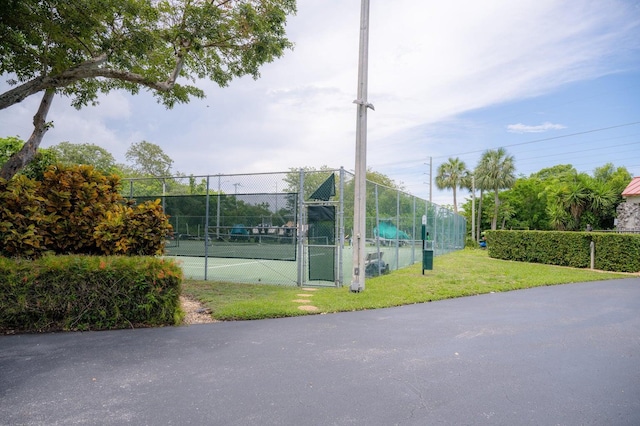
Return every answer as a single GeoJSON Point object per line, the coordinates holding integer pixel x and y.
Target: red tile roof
{"type": "Point", "coordinates": [633, 189]}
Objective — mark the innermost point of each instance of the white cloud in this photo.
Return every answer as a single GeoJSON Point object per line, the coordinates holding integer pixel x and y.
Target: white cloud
{"type": "Point", "coordinates": [429, 63]}
{"type": "Point", "coordinates": [540, 128]}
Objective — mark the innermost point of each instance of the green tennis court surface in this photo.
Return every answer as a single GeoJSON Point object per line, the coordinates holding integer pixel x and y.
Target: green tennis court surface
{"type": "Point", "coordinates": [259, 248]}
{"type": "Point", "coordinates": [250, 271]}
{"type": "Point", "coordinates": [281, 272]}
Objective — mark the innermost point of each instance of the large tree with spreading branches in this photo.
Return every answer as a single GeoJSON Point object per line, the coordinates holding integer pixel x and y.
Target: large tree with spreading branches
{"type": "Point", "coordinates": [83, 48]}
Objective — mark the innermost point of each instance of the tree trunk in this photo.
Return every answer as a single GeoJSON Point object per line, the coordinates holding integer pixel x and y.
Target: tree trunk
{"type": "Point", "coordinates": [23, 157]}
{"type": "Point", "coordinates": [455, 202]}
{"type": "Point", "coordinates": [496, 204]}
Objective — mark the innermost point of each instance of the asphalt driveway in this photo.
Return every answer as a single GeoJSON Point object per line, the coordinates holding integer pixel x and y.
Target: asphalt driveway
{"type": "Point", "coordinates": [562, 355]}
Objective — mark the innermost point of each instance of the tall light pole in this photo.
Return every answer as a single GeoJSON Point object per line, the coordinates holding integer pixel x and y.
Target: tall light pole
{"type": "Point", "coordinates": [473, 207]}
{"type": "Point", "coordinates": [218, 206]}
{"type": "Point", "coordinates": [360, 197]}
{"type": "Point", "coordinates": [235, 195]}
{"type": "Point", "coordinates": [430, 205]}
{"type": "Point", "coordinates": [430, 179]}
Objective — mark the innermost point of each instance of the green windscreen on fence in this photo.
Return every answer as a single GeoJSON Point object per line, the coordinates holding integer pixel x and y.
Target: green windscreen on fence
{"type": "Point", "coordinates": [321, 239]}
{"type": "Point", "coordinates": [244, 226]}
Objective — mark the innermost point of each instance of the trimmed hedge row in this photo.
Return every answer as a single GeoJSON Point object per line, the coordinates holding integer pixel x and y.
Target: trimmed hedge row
{"type": "Point", "coordinates": [613, 252]}
{"type": "Point", "coordinates": [88, 293]}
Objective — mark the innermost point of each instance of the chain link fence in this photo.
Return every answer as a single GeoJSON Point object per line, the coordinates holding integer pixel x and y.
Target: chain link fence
{"type": "Point", "coordinates": [291, 228]}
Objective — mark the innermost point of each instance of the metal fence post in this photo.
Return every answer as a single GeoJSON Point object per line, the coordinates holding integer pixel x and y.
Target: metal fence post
{"type": "Point", "coordinates": [341, 229]}
{"type": "Point", "coordinates": [206, 233]}
{"type": "Point", "coordinates": [301, 230]}
{"type": "Point", "coordinates": [378, 263]}
{"type": "Point", "coordinates": [218, 207]}
{"type": "Point", "coordinates": [397, 229]}
{"type": "Point", "coordinates": [413, 243]}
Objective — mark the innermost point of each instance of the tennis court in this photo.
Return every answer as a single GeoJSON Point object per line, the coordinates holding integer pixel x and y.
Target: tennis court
{"type": "Point", "coordinates": [245, 248]}
{"type": "Point", "coordinates": [250, 271]}
{"type": "Point", "coordinates": [291, 228]}
{"type": "Point", "coordinates": [281, 272]}
{"type": "Point", "coordinates": [250, 258]}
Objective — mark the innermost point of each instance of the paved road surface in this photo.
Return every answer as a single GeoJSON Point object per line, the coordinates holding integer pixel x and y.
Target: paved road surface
{"type": "Point", "coordinates": [563, 355]}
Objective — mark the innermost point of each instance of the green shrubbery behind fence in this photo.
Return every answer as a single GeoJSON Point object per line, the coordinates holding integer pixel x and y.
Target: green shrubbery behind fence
{"type": "Point", "coordinates": [613, 251]}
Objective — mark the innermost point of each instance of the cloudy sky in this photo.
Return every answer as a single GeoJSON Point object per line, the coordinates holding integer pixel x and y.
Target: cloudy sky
{"type": "Point", "coordinates": [554, 82]}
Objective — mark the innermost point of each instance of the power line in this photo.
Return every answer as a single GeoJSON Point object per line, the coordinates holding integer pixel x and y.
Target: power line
{"type": "Point", "coordinates": [422, 161]}
{"type": "Point", "coordinates": [581, 151]}
{"type": "Point", "coordinates": [581, 142]}
{"type": "Point", "coordinates": [547, 139]}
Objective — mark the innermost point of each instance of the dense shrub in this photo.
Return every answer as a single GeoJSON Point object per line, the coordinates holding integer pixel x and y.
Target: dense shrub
{"type": "Point", "coordinates": [77, 199]}
{"type": "Point", "coordinates": [76, 210]}
{"type": "Point", "coordinates": [617, 252]}
{"type": "Point", "coordinates": [133, 230]}
{"type": "Point", "coordinates": [21, 218]}
{"type": "Point", "coordinates": [88, 293]}
{"type": "Point", "coordinates": [613, 252]}
{"type": "Point", "coordinates": [469, 242]}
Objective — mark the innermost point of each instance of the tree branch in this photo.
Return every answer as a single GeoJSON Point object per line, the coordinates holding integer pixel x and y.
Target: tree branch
{"type": "Point", "coordinates": [28, 151]}
{"type": "Point", "coordinates": [137, 78]}
{"type": "Point", "coordinates": [176, 72]}
{"type": "Point", "coordinates": [81, 71]}
{"type": "Point", "coordinates": [88, 69]}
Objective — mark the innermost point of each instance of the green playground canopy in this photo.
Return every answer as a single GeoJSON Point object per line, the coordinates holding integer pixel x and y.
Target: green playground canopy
{"type": "Point", "coordinates": [387, 230]}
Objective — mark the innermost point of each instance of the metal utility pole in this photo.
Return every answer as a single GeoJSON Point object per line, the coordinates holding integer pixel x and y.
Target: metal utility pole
{"type": "Point", "coordinates": [236, 185]}
{"type": "Point", "coordinates": [430, 204]}
{"type": "Point", "coordinates": [217, 209]}
{"type": "Point", "coordinates": [430, 180]}
{"type": "Point", "coordinates": [206, 232]}
{"type": "Point", "coordinates": [360, 198]}
{"type": "Point", "coordinates": [473, 207]}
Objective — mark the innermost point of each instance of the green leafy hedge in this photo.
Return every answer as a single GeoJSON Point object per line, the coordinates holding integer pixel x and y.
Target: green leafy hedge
{"type": "Point", "coordinates": [88, 293]}
{"type": "Point", "coordinates": [613, 252]}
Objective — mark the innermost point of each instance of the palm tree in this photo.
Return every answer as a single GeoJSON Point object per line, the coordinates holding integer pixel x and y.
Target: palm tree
{"type": "Point", "coordinates": [496, 171]}
{"type": "Point", "coordinates": [579, 194]}
{"type": "Point", "coordinates": [481, 184]}
{"type": "Point", "coordinates": [575, 198]}
{"type": "Point", "coordinates": [559, 219]}
{"type": "Point", "coordinates": [602, 199]}
{"type": "Point", "coordinates": [451, 175]}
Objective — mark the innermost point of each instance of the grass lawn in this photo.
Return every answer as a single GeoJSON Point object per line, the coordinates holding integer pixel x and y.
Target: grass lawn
{"type": "Point", "coordinates": [462, 273]}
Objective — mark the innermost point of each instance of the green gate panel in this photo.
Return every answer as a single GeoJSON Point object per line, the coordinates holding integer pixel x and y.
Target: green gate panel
{"type": "Point", "coordinates": [321, 242]}
{"type": "Point", "coordinates": [322, 263]}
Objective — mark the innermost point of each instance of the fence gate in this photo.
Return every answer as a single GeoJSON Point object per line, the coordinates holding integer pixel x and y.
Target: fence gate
{"type": "Point", "coordinates": [321, 242]}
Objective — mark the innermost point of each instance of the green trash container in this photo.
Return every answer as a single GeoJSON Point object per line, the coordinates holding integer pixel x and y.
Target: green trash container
{"type": "Point", "coordinates": [427, 260]}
